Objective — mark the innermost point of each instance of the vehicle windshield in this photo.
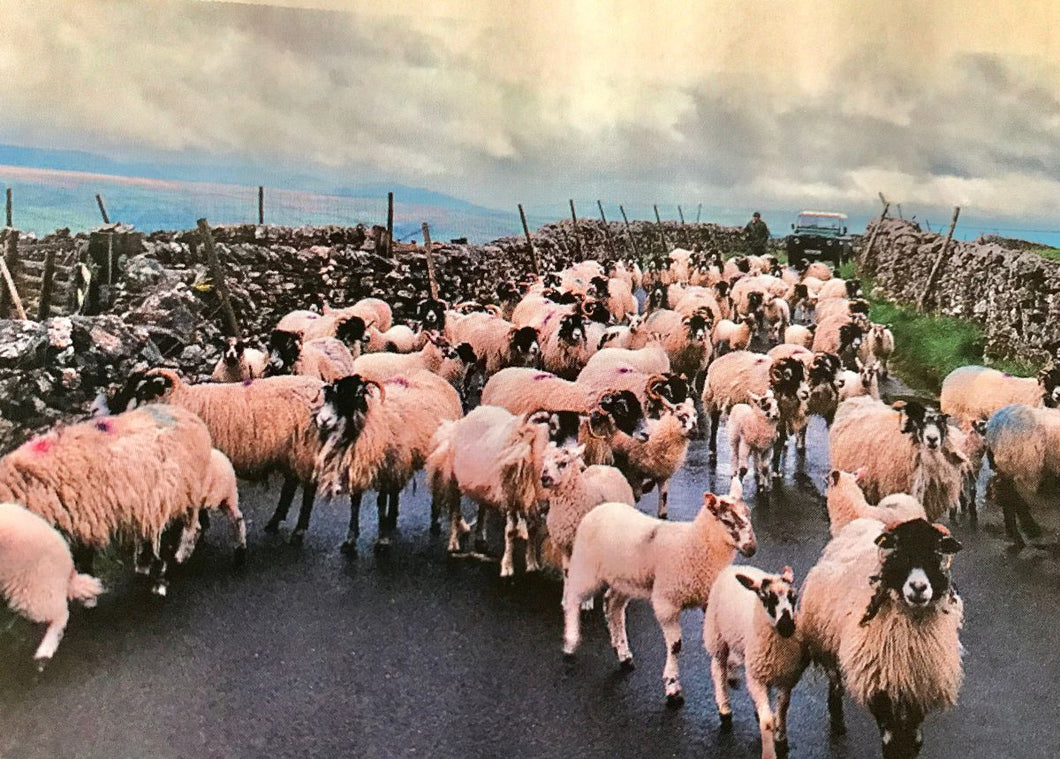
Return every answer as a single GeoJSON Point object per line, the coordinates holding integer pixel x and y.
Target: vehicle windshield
{"type": "Point", "coordinates": [816, 221]}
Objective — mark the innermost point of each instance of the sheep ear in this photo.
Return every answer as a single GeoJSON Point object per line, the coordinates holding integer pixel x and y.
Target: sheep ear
{"type": "Point", "coordinates": [747, 582]}
{"type": "Point", "coordinates": [835, 476]}
{"type": "Point", "coordinates": [787, 575]}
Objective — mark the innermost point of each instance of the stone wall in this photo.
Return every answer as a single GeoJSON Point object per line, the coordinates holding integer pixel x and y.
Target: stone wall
{"type": "Point", "coordinates": [163, 310]}
{"type": "Point", "coordinates": [1012, 293]}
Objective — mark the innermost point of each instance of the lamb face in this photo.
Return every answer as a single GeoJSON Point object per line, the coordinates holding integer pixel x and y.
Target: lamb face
{"type": "Point", "coordinates": [735, 517]}
{"type": "Point", "coordinates": [777, 596]}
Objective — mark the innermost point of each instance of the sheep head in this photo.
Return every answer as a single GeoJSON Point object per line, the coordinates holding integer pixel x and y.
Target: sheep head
{"type": "Point", "coordinates": [284, 349]}
{"type": "Point", "coordinates": [621, 411]}
{"type": "Point", "coordinates": [735, 518]}
{"type": "Point", "coordinates": [915, 560]}
{"type": "Point", "coordinates": [341, 416]}
{"type": "Point", "coordinates": [431, 312]}
{"type": "Point", "coordinates": [154, 385]}
{"type": "Point", "coordinates": [926, 426]}
{"type": "Point", "coordinates": [560, 463]}
{"type": "Point", "coordinates": [351, 331]}
{"type": "Point", "coordinates": [572, 329]}
{"type": "Point", "coordinates": [524, 346]}
{"type": "Point", "coordinates": [698, 325]}
{"type": "Point", "coordinates": [1049, 380]}
{"type": "Point", "coordinates": [777, 595]}
{"type": "Point", "coordinates": [234, 347]}
{"type": "Point", "coordinates": [563, 426]}
{"type": "Point", "coordinates": [788, 377]}
{"type": "Point", "coordinates": [767, 404]}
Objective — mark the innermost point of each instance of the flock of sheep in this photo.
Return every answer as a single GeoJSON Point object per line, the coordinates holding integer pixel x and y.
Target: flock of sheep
{"type": "Point", "coordinates": [580, 401]}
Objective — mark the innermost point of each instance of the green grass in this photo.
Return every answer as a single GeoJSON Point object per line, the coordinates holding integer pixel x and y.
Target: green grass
{"type": "Point", "coordinates": [1048, 252]}
{"type": "Point", "coordinates": [928, 346]}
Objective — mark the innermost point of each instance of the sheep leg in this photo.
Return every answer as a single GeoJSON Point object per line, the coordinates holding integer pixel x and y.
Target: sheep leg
{"type": "Point", "coordinates": [480, 531]}
{"type": "Point", "coordinates": [899, 726]}
{"type": "Point", "coordinates": [457, 528]}
{"type": "Point", "coordinates": [615, 612]}
{"type": "Point", "coordinates": [392, 510]}
{"type": "Point", "coordinates": [800, 440]}
{"type": "Point", "coordinates": [290, 485]}
{"type": "Point", "coordinates": [533, 544]}
{"type": "Point", "coordinates": [780, 729]}
{"type": "Point", "coordinates": [719, 672]}
{"type": "Point", "coordinates": [762, 470]}
{"type": "Point", "coordinates": [1005, 494]}
{"type": "Point", "coordinates": [759, 693]}
{"type": "Point", "coordinates": [779, 447]}
{"type": "Point", "coordinates": [382, 542]}
{"type": "Point", "coordinates": [239, 530]}
{"type": "Point", "coordinates": [835, 701]}
{"type": "Point", "coordinates": [669, 617]}
{"type": "Point", "coordinates": [664, 500]}
{"type": "Point", "coordinates": [189, 537]}
{"type": "Point", "coordinates": [349, 545]}
{"type": "Point", "coordinates": [50, 642]}
{"type": "Point", "coordinates": [309, 494]}
{"type": "Point", "coordinates": [715, 422]}
{"type": "Point", "coordinates": [142, 559]}
{"type": "Point", "coordinates": [511, 532]}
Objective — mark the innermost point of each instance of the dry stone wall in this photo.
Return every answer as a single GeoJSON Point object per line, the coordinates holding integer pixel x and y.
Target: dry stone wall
{"type": "Point", "coordinates": [1011, 292]}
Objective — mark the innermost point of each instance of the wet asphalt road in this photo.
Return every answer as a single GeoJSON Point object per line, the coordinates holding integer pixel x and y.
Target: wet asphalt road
{"type": "Point", "coordinates": [305, 653]}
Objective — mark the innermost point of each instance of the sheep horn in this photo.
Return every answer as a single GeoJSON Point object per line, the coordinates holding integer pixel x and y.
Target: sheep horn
{"type": "Point", "coordinates": [584, 308]}
{"type": "Point", "coordinates": [649, 387]}
{"type": "Point", "coordinates": [592, 432]}
{"type": "Point", "coordinates": [382, 392]}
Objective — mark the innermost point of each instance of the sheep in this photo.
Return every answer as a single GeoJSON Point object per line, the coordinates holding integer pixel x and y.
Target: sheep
{"type": "Point", "coordinates": [378, 444]}
{"type": "Point", "coordinates": [777, 313]}
{"type": "Point", "coordinates": [496, 342]}
{"type": "Point", "coordinates": [878, 344]}
{"type": "Point", "coordinates": [757, 629]}
{"type": "Point", "coordinates": [837, 307]}
{"type": "Point", "coordinates": [728, 336]}
{"type": "Point", "coordinates": [671, 421]}
{"type": "Point", "coordinates": [325, 358]}
{"type": "Point", "coordinates": [617, 336]}
{"type": "Point", "coordinates": [839, 335]}
{"type": "Point", "coordinates": [969, 438]}
{"type": "Point", "coordinates": [752, 431]}
{"type": "Point", "coordinates": [573, 490]}
{"type": "Point", "coordinates": [880, 614]}
{"type": "Point", "coordinates": [239, 363]}
{"type": "Point", "coordinates": [835, 287]}
{"type": "Point", "coordinates": [796, 334]}
{"type": "Point", "coordinates": [495, 458]}
{"type": "Point", "coordinates": [703, 299]}
{"type": "Point", "coordinates": [37, 576]}
{"type": "Point", "coordinates": [617, 294]}
{"type": "Point", "coordinates": [437, 356]}
{"type": "Point", "coordinates": [565, 347]}
{"type": "Point", "coordinates": [679, 268]}
{"type": "Point", "coordinates": [261, 426]}
{"type": "Point", "coordinates": [904, 448]}
{"type": "Point", "coordinates": [342, 324]}
{"type": "Point", "coordinates": [865, 381]}
{"type": "Point", "coordinates": [371, 310]}
{"type": "Point", "coordinates": [120, 479]}
{"type": "Point", "coordinates": [651, 358]}
{"type": "Point", "coordinates": [732, 379]}
{"type": "Point", "coordinates": [824, 374]}
{"type": "Point", "coordinates": [846, 502]}
{"type": "Point", "coordinates": [803, 303]}
{"type": "Point", "coordinates": [976, 392]}
{"type": "Point", "coordinates": [1024, 451]}
{"type": "Point", "coordinates": [398, 339]}
{"type": "Point", "coordinates": [672, 564]}
{"type": "Point", "coordinates": [685, 339]}
{"type": "Point", "coordinates": [818, 270]}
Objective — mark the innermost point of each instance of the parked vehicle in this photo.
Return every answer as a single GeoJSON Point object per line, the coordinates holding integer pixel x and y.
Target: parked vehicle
{"type": "Point", "coordinates": [819, 235]}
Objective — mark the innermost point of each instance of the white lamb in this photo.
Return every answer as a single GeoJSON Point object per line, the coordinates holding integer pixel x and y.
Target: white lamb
{"type": "Point", "coordinates": [672, 564]}
{"type": "Point", "coordinates": [752, 433]}
{"type": "Point", "coordinates": [757, 629]}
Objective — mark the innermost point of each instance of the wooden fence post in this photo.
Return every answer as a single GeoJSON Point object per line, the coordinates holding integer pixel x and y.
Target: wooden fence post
{"type": "Point", "coordinates": [867, 266]}
{"type": "Point", "coordinates": [432, 278]}
{"type": "Point", "coordinates": [937, 268]}
{"type": "Point", "coordinates": [261, 204]}
{"type": "Point", "coordinates": [529, 242]}
{"type": "Point", "coordinates": [698, 212]}
{"type": "Point", "coordinates": [8, 263]}
{"type": "Point", "coordinates": [390, 225]}
{"type": "Point", "coordinates": [219, 281]}
{"type": "Point", "coordinates": [684, 231]}
{"type": "Point", "coordinates": [662, 231]}
{"type": "Point", "coordinates": [577, 241]}
{"type": "Point", "coordinates": [10, 209]}
{"type": "Point", "coordinates": [607, 231]}
{"type": "Point", "coordinates": [44, 306]}
{"type": "Point", "coordinates": [629, 233]}
{"type": "Point", "coordinates": [102, 209]}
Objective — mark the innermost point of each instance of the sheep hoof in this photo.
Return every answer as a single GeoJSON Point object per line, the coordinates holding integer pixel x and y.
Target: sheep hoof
{"type": "Point", "coordinates": [272, 527]}
{"type": "Point", "coordinates": [297, 538]}
{"type": "Point", "coordinates": [41, 663]}
{"type": "Point", "coordinates": [726, 721]}
{"type": "Point", "coordinates": [239, 558]}
{"type": "Point", "coordinates": [627, 665]}
{"type": "Point", "coordinates": [675, 700]}
{"type": "Point", "coordinates": [382, 545]}
{"type": "Point", "coordinates": [159, 589]}
{"type": "Point", "coordinates": [782, 747]}
{"type": "Point", "coordinates": [349, 548]}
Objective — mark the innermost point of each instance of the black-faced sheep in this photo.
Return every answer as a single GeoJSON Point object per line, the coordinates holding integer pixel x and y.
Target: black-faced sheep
{"type": "Point", "coordinates": [904, 449]}
{"type": "Point", "coordinates": [672, 564]}
{"type": "Point", "coordinates": [37, 576]}
{"type": "Point", "coordinates": [880, 615]}
{"type": "Point", "coordinates": [325, 358]}
{"type": "Point", "coordinates": [751, 620]}
{"type": "Point", "coordinates": [378, 443]}
{"type": "Point", "coordinates": [686, 339]}
{"type": "Point", "coordinates": [496, 342]}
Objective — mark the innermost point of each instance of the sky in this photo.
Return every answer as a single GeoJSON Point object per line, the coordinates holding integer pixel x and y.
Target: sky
{"type": "Point", "coordinates": [741, 104]}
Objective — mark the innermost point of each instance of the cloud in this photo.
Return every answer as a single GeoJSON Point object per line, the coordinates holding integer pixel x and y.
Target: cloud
{"type": "Point", "coordinates": [734, 104]}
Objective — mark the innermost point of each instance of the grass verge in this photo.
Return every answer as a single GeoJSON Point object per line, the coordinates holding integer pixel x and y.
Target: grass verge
{"type": "Point", "coordinates": [929, 346]}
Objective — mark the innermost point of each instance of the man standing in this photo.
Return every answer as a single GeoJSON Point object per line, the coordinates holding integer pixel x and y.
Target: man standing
{"type": "Point", "coordinates": [757, 235]}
